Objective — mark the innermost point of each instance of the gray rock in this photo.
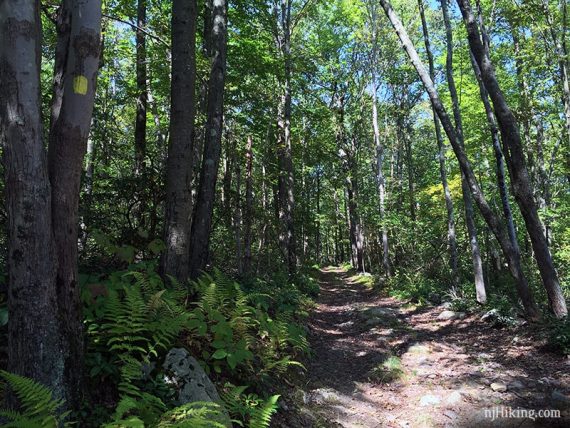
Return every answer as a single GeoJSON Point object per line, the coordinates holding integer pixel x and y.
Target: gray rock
{"type": "Point", "coordinates": [499, 387]}
{"type": "Point", "coordinates": [429, 400]}
{"type": "Point", "coordinates": [450, 414]}
{"type": "Point", "coordinates": [379, 312]}
{"type": "Point", "coordinates": [454, 398]}
{"type": "Point", "coordinates": [322, 396]}
{"type": "Point", "coordinates": [446, 305]}
{"type": "Point", "coordinates": [448, 315]}
{"type": "Point", "coordinates": [346, 324]}
{"type": "Point", "coordinates": [419, 349]}
{"type": "Point", "coordinates": [191, 382]}
{"type": "Point", "coordinates": [491, 315]}
{"type": "Point", "coordinates": [186, 374]}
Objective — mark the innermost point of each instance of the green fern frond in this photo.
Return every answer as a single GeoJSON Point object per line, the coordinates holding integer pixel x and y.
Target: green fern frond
{"type": "Point", "coordinates": [261, 416]}
{"type": "Point", "coordinates": [38, 408]}
{"type": "Point", "coordinates": [194, 415]}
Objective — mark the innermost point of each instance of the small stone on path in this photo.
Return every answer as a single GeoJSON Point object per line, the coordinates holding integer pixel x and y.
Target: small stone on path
{"type": "Point", "coordinates": [499, 387]}
{"type": "Point", "coordinates": [429, 400]}
{"type": "Point", "coordinates": [454, 398]}
{"type": "Point", "coordinates": [450, 315]}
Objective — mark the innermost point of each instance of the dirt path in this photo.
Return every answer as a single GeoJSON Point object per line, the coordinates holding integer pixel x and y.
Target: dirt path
{"type": "Point", "coordinates": [379, 363]}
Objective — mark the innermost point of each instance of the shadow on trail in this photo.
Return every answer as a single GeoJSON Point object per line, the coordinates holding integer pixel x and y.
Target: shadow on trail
{"type": "Point", "coordinates": [448, 366]}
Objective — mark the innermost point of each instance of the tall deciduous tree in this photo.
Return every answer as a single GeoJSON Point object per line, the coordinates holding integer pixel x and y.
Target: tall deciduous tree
{"type": "Point", "coordinates": [248, 211]}
{"type": "Point", "coordinates": [45, 333]}
{"type": "Point", "coordinates": [493, 221]}
{"type": "Point", "coordinates": [142, 91]}
{"type": "Point", "coordinates": [467, 200]}
{"type": "Point", "coordinates": [286, 202]}
{"type": "Point", "coordinates": [179, 165]}
{"type": "Point", "coordinates": [202, 221]}
{"type": "Point", "coordinates": [522, 187]}
{"type": "Point", "coordinates": [451, 234]}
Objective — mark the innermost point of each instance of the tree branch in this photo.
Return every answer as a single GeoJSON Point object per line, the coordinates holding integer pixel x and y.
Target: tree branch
{"type": "Point", "coordinates": [136, 27]}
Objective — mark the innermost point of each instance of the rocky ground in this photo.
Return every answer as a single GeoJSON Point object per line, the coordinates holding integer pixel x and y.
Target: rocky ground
{"type": "Point", "coordinates": [381, 363]}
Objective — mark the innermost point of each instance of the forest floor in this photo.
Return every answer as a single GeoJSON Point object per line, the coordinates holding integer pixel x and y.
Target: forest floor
{"type": "Point", "coordinates": [379, 362]}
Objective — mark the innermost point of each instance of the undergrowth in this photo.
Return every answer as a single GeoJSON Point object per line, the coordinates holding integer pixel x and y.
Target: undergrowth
{"type": "Point", "coordinates": [244, 334]}
{"type": "Point", "coordinates": [248, 334]}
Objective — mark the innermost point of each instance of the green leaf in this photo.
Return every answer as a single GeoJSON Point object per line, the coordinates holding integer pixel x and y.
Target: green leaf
{"type": "Point", "coordinates": [219, 354]}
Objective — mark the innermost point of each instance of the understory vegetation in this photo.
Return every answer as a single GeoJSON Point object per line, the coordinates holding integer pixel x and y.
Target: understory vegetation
{"type": "Point", "coordinates": [248, 335]}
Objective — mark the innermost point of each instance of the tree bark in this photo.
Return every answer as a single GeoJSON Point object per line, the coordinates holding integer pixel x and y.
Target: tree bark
{"type": "Point", "coordinates": [77, 59]}
{"type": "Point", "coordinates": [451, 234]}
{"type": "Point", "coordinates": [407, 141]}
{"type": "Point", "coordinates": [179, 164]}
{"type": "Point", "coordinates": [380, 179]}
{"type": "Point", "coordinates": [499, 158]}
{"type": "Point", "coordinates": [284, 152]}
{"type": "Point", "coordinates": [237, 222]}
{"type": "Point", "coordinates": [248, 211]}
{"type": "Point", "coordinates": [142, 92]}
{"type": "Point", "coordinates": [561, 49]}
{"type": "Point", "coordinates": [467, 201]}
{"type": "Point", "coordinates": [33, 331]}
{"type": "Point", "coordinates": [492, 220]}
{"type": "Point", "coordinates": [202, 222]}
{"type": "Point", "coordinates": [522, 188]}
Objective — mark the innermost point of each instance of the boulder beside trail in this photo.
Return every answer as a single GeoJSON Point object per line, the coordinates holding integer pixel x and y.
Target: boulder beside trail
{"type": "Point", "coordinates": [188, 378]}
{"type": "Point", "coordinates": [448, 315]}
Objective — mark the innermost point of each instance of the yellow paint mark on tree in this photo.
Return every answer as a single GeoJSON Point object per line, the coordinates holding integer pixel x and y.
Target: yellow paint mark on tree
{"type": "Point", "coordinates": [80, 85]}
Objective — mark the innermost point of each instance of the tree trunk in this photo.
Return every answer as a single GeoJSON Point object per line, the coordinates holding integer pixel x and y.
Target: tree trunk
{"type": "Point", "coordinates": [522, 187]}
{"type": "Point", "coordinates": [407, 141]}
{"type": "Point", "coordinates": [286, 180]}
{"type": "Point", "coordinates": [524, 107]}
{"type": "Point", "coordinates": [500, 170]}
{"type": "Point", "coordinates": [87, 202]}
{"type": "Point", "coordinates": [34, 346]}
{"type": "Point", "coordinates": [229, 158]}
{"type": "Point", "coordinates": [179, 164]}
{"type": "Point", "coordinates": [451, 234]}
{"type": "Point", "coordinates": [380, 179]}
{"type": "Point", "coordinates": [248, 211]}
{"type": "Point", "coordinates": [559, 41]}
{"type": "Point", "coordinates": [142, 93]}
{"type": "Point", "coordinates": [381, 182]}
{"type": "Point", "coordinates": [467, 201]}
{"type": "Point", "coordinates": [72, 107]}
{"type": "Point", "coordinates": [318, 238]}
{"type": "Point", "coordinates": [237, 222]}
{"type": "Point", "coordinates": [202, 222]}
{"type": "Point", "coordinates": [492, 220]}
{"type": "Point", "coordinates": [544, 200]}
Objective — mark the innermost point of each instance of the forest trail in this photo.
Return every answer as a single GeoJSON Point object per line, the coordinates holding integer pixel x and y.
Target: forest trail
{"type": "Point", "coordinates": [445, 373]}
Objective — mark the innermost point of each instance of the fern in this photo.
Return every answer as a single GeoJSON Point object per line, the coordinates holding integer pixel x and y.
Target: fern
{"type": "Point", "coordinates": [194, 415]}
{"type": "Point", "coordinates": [261, 416]}
{"type": "Point", "coordinates": [141, 321]}
{"type": "Point", "coordinates": [249, 407]}
{"type": "Point", "coordinates": [38, 408]}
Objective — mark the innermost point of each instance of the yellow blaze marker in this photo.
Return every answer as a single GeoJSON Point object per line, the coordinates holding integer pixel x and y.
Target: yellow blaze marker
{"type": "Point", "coordinates": [80, 85]}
